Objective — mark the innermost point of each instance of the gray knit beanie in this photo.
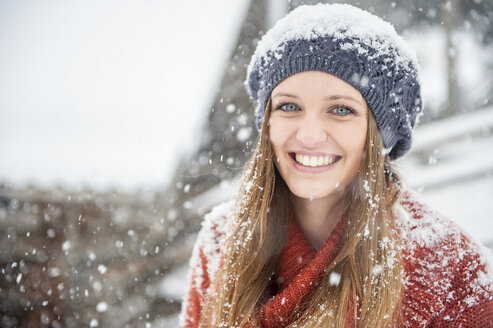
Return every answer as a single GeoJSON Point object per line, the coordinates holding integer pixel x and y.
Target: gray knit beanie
{"type": "Point", "coordinates": [354, 45]}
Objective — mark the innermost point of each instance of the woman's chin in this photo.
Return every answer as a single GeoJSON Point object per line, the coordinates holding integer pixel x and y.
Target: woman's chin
{"type": "Point", "coordinates": [313, 193]}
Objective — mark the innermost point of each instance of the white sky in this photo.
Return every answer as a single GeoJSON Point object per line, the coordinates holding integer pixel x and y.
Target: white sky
{"type": "Point", "coordinates": [107, 93]}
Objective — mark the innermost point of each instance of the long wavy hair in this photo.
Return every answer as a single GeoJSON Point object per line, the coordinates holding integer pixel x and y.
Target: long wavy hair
{"type": "Point", "coordinates": [369, 260]}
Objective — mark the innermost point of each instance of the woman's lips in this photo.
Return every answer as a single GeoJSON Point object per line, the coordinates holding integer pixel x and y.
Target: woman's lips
{"type": "Point", "coordinates": [313, 162]}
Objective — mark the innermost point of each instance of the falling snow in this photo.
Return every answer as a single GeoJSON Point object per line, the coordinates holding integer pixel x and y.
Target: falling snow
{"type": "Point", "coordinates": [334, 279]}
{"type": "Point", "coordinates": [81, 248]}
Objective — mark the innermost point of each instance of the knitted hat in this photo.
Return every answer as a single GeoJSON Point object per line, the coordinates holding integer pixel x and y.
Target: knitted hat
{"type": "Point", "coordinates": [354, 45]}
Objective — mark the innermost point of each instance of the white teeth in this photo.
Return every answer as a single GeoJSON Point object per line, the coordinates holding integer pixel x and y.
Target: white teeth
{"type": "Point", "coordinates": [314, 161]}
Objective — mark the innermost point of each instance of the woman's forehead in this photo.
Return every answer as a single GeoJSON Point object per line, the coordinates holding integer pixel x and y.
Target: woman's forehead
{"type": "Point", "coordinates": [316, 83]}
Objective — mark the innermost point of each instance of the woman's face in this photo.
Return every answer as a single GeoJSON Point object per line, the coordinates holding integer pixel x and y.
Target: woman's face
{"type": "Point", "coordinates": [317, 128]}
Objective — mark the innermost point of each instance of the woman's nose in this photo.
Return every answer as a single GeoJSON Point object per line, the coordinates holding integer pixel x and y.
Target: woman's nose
{"type": "Point", "coordinates": [311, 132]}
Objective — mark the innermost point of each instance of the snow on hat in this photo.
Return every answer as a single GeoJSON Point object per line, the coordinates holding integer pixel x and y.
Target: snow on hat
{"type": "Point", "coordinates": [354, 45]}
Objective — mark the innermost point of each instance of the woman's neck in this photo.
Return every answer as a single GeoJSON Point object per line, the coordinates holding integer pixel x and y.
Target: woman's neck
{"type": "Point", "coordinates": [318, 217]}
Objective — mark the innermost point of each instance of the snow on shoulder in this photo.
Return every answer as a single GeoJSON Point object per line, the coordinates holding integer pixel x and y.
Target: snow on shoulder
{"type": "Point", "coordinates": [217, 220]}
{"type": "Point", "coordinates": [206, 256]}
{"type": "Point", "coordinates": [439, 259]}
{"type": "Point", "coordinates": [212, 235]}
{"type": "Point", "coordinates": [340, 21]}
{"type": "Point", "coordinates": [422, 226]}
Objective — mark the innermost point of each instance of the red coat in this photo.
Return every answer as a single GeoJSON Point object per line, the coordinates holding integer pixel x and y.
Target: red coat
{"type": "Point", "coordinates": [447, 282]}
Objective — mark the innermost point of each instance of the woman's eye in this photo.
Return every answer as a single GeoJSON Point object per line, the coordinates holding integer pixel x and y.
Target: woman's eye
{"type": "Point", "coordinates": [343, 111]}
{"type": "Point", "coordinates": [288, 107]}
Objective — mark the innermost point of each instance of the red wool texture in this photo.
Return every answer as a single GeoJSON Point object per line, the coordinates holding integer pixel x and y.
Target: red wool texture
{"type": "Point", "coordinates": [446, 284]}
{"type": "Point", "coordinates": [300, 269]}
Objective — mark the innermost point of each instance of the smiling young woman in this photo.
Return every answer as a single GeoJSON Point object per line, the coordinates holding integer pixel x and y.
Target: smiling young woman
{"type": "Point", "coordinates": [322, 232]}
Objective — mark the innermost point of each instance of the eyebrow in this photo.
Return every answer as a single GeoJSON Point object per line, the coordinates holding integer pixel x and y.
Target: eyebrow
{"type": "Point", "coordinates": [337, 97]}
{"type": "Point", "coordinates": [281, 94]}
{"type": "Point", "coordinates": [334, 97]}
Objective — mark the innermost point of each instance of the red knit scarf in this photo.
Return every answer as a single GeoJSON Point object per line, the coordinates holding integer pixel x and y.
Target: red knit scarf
{"type": "Point", "coordinates": [300, 269]}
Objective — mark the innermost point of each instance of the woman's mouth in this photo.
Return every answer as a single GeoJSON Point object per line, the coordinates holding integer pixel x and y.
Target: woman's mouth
{"type": "Point", "coordinates": [315, 161]}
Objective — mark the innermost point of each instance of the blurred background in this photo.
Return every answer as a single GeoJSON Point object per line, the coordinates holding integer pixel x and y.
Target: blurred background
{"type": "Point", "coordinates": [122, 122]}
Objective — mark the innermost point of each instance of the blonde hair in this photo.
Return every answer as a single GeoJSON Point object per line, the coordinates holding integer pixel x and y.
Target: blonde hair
{"type": "Point", "coordinates": [369, 261]}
